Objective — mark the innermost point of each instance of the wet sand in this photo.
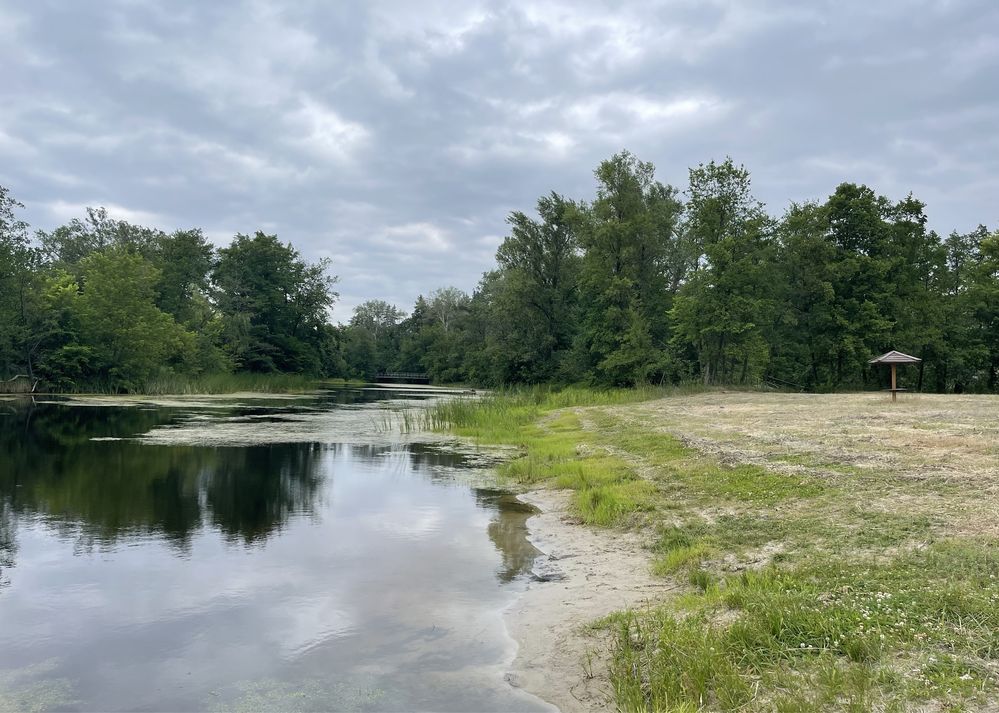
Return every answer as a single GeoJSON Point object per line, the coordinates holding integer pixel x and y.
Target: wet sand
{"type": "Point", "coordinates": [590, 573]}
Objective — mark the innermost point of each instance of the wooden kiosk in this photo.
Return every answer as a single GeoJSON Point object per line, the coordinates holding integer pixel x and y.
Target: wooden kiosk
{"type": "Point", "coordinates": [893, 359]}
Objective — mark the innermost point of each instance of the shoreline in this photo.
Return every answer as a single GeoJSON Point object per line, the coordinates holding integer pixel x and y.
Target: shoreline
{"type": "Point", "coordinates": [583, 574]}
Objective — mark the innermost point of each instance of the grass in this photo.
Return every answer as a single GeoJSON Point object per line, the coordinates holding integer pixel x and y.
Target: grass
{"type": "Point", "coordinates": [500, 417]}
{"type": "Point", "coordinates": [550, 439]}
{"type": "Point", "coordinates": [833, 554]}
{"type": "Point", "coordinates": [824, 635]}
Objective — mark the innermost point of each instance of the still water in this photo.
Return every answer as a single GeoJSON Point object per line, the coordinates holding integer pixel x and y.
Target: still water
{"type": "Point", "coordinates": [247, 554]}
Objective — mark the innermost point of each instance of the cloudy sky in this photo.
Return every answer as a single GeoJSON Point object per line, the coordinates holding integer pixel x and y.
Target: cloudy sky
{"type": "Point", "coordinates": [394, 137]}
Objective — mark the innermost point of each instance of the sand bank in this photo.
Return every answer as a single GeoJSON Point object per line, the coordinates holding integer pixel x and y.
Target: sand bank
{"type": "Point", "coordinates": [584, 574]}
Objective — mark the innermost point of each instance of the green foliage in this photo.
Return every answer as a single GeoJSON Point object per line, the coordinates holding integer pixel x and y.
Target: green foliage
{"type": "Point", "coordinates": [128, 337]}
{"type": "Point", "coordinates": [103, 305]}
{"type": "Point", "coordinates": [633, 261]}
{"type": "Point", "coordinates": [642, 284]}
{"type": "Point", "coordinates": [537, 303]}
{"type": "Point", "coordinates": [273, 304]}
{"type": "Point", "coordinates": [724, 309]}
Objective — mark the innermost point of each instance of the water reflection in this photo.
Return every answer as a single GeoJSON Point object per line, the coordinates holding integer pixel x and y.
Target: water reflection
{"type": "Point", "coordinates": [368, 576]}
{"type": "Point", "coordinates": [8, 546]}
{"type": "Point", "coordinates": [99, 491]}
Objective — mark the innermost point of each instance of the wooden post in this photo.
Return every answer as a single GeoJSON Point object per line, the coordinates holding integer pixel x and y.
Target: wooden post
{"type": "Point", "coordinates": [894, 391]}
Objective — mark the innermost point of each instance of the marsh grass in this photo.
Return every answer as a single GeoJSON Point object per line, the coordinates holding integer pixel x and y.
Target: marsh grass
{"type": "Point", "coordinates": [551, 440]}
{"type": "Point", "coordinates": [501, 417]}
{"type": "Point", "coordinates": [398, 420]}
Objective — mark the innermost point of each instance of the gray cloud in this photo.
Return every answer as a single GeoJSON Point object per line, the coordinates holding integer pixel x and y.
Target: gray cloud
{"type": "Point", "coordinates": [395, 137]}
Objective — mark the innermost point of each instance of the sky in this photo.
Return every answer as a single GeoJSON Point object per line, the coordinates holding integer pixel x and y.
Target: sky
{"type": "Point", "coordinates": [395, 137]}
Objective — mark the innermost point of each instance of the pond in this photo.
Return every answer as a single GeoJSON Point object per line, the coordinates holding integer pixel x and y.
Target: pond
{"type": "Point", "coordinates": [252, 554]}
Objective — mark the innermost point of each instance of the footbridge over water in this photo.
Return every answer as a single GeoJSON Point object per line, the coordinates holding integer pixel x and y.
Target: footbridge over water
{"type": "Point", "coordinates": [402, 377]}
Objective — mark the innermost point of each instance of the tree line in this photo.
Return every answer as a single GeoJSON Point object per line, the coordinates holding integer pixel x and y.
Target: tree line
{"type": "Point", "coordinates": [101, 304]}
{"type": "Point", "coordinates": [642, 283]}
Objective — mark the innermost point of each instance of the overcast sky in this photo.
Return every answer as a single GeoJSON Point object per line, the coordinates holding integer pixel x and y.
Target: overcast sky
{"type": "Point", "coordinates": [394, 137]}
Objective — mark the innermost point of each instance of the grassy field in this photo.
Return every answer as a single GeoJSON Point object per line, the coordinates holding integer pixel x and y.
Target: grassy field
{"type": "Point", "coordinates": [837, 552]}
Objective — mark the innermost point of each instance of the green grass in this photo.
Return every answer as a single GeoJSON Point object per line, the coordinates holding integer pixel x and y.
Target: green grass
{"type": "Point", "coordinates": [825, 635]}
{"type": "Point", "coordinates": [606, 490]}
{"type": "Point", "coordinates": [500, 417]}
{"type": "Point", "coordinates": [833, 606]}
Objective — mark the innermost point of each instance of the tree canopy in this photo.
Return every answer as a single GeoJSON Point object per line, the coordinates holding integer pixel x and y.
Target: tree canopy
{"type": "Point", "coordinates": [643, 282]}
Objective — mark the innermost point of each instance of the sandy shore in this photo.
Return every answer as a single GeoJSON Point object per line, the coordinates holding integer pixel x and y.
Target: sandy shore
{"type": "Point", "coordinates": [585, 573]}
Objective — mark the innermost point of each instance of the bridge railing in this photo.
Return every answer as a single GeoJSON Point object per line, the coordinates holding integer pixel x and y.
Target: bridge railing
{"type": "Point", "coordinates": [410, 376]}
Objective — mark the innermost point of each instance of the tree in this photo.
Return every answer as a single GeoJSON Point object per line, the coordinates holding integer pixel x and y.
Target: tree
{"type": "Point", "coordinates": [983, 301]}
{"type": "Point", "coordinates": [130, 338]}
{"type": "Point", "coordinates": [184, 259]}
{"type": "Point", "coordinates": [631, 241]}
{"type": "Point", "coordinates": [805, 321]}
{"type": "Point", "coordinates": [274, 304]}
{"type": "Point", "coordinates": [540, 264]}
{"type": "Point", "coordinates": [727, 308]}
{"type": "Point", "coordinates": [372, 338]}
{"type": "Point", "coordinates": [965, 367]}
{"type": "Point", "coordinates": [446, 304]}
{"type": "Point", "coordinates": [67, 245]}
{"type": "Point", "coordinates": [19, 265]}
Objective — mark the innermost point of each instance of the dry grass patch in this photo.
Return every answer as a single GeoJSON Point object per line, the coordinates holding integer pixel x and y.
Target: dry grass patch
{"type": "Point", "coordinates": [952, 435]}
{"type": "Point", "coordinates": [839, 552]}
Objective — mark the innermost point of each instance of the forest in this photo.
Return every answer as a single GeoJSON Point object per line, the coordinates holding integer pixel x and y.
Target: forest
{"type": "Point", "coordinates": [641, 283]}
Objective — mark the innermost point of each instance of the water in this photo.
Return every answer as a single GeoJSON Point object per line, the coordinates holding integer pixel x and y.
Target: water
{"type": "Point", "coordinates": [284, 554]}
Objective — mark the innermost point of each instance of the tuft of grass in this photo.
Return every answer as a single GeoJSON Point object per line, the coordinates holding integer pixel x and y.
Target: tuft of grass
{"type": "Point", "coordinates": [607, 490]}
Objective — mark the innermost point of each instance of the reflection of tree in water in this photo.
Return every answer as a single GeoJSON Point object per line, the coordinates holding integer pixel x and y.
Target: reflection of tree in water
{"type": "Point", "coordinates": [508, 527]}
{"type": "Point", "coordinates": [508, 531]}
{"type": "Point", "coordinates": [8, 545]}
{"type": "Point", "coordinates": [99, 492]}
{"type": "Point", "coordinates": [251, 492]}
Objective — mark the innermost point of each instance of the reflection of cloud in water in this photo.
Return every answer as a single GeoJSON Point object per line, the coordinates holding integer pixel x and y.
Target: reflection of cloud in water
{"type": "Point", "coordinates": [307, 622]}
{"type": "Point", "coordinates": [418, 523]}
{"type": "Point", "coordinates": [300, 563]}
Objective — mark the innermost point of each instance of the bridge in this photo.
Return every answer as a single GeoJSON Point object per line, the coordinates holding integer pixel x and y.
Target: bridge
{"type": "Point", "coordinates": [402, 377]}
